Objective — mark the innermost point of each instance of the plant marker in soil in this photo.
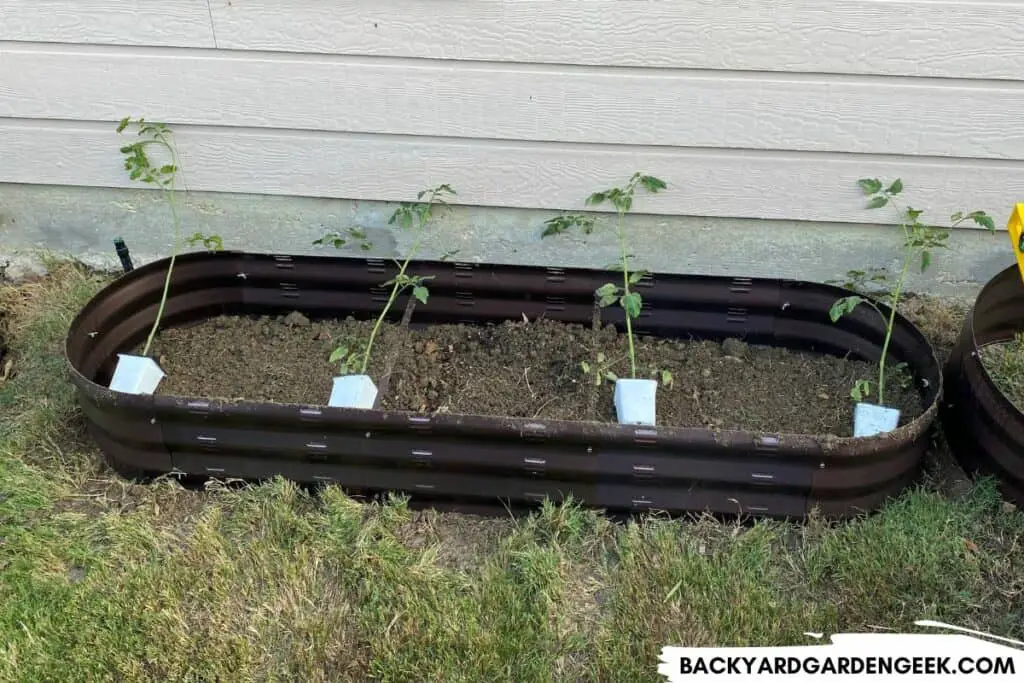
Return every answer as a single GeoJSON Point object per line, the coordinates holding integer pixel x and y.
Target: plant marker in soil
{"type": "Point", "coordinates": [136, 374]}
{"type": "Point", "coordinates": [353, 391]}
{"type": "Point", "coordinates": [870, 419]}
{"type": "Point", "coordinates": [635, 401]}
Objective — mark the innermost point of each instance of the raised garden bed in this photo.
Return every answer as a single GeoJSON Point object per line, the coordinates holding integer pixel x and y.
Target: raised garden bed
{"type": "Point", "coordinates": [984, 427]}
{"type": "Point", "coordinates": [481, 392]}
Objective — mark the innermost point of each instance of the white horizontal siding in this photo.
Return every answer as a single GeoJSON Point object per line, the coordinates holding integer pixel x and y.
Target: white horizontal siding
{"type": "Point", "coordinates": [747, 108]}
{"type": "Point", "coordinates": [181, 23]}
{"type": "Point", "coordinates": [951, 38]}
{"type": "Point", "coordinates": [529, 175]}
{"type": "Point", "coordinates": [517, 102]}
{"type": "Point", "coordinates": [945, 38]}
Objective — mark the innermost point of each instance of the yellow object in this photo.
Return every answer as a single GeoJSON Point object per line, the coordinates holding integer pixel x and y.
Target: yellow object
{"type": "Point", "coordinates": [1016, 230]}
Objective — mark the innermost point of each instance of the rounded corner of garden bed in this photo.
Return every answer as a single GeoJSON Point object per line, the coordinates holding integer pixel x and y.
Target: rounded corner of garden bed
{"type": "Point", "coordinates": [983, 426]}
{"type": "Point", "coordinates": [519, 459]}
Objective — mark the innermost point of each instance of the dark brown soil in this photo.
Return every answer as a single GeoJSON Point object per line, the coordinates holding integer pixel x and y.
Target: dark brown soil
{"type": "Point", "coordinates": [521, 369]}
{"type": "Point", "coordinates": [735, 386]}
{"type": "Point", "coordinates": [264, 359]}
{"type": "Point", "coordinates": [516, 369]}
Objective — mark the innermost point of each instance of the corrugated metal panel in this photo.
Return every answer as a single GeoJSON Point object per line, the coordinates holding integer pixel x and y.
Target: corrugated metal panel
{"type": "Point", "coordinates": [459, 456]}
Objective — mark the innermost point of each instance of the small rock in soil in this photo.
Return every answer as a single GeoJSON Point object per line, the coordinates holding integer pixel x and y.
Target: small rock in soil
{"type": "Point", "coordinates": [296, 319]}
{"type": "Point", "coordinates": [734, 348]}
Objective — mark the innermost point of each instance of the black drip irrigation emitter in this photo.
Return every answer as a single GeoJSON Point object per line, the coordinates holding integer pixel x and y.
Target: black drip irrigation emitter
{"type": "Point", "coordinates": [122, 253]}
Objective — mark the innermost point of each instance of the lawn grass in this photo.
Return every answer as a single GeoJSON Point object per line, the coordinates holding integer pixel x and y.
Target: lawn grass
{"type": "Point", "coordinates": [101, 579]}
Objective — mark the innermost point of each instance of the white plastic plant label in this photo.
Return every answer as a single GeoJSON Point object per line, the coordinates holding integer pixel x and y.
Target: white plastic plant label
{"type": "Point", "coordinates": [136, 374]}
{"type": "Point", "coordinates": [635, 401]}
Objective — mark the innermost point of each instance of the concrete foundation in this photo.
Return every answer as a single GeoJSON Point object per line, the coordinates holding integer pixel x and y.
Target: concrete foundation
{"type": "Point", "coordinates": [83, 222]}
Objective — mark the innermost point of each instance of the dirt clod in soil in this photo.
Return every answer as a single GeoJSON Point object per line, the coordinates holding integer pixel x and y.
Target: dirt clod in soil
{"type": "Point", "coordinates": [523, 369]}
{"type": "Point", "coordinates": [278, 359]}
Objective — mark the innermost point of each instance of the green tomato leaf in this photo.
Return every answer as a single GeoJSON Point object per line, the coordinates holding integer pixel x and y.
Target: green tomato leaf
{"type": "Point", "coordinates": [843, 306]}
{"type": "Point", "coordinates": [421, 293]}
{"type": "Point", "coordinates": [653, 184]}
{"type": "Point", "coordinates": [878, 202]}
{"type": "Point", "coordinates": [555, 226]}
{"type": "Point", "coordinates": [606, 289]}
{"type": "Point", "coordinates": [984, 220]}
{"type": "Point", "coordinates": [632, 304]}
{"type": "Point", "coordinates": [636, 276]}
{"type": "Point", "coordinates": [870, 185]}
{"type": "Point", "coordinates": [861, 390]}
{"type": "Point", "coordinates": [896, 187]}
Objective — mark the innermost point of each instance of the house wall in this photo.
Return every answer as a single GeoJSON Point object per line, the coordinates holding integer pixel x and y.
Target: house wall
{"type": "Point", "coordinates": [749, 109]}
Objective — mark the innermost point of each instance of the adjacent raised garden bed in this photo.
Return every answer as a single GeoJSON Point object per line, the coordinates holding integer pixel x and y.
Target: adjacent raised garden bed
{"type": "Point", "coordinates": [983, 427]}
{"type": "Point", "coordinates": [447, 455]}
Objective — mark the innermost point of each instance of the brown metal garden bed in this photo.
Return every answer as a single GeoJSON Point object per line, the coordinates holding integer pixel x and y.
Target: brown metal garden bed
{"type": "Point", "coordinates": [984, 429]}
{"type": "Point", "coordinates": [470, 457]}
